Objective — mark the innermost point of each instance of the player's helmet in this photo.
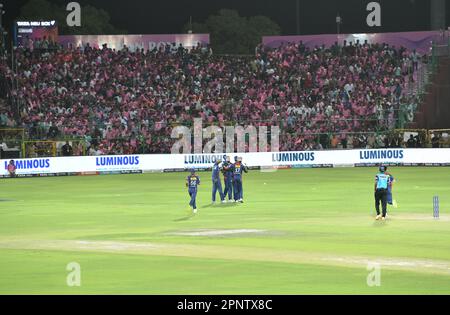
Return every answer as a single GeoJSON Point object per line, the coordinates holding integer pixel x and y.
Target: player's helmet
{"type": "Point", "coordinates": [192, 170]}
{"type": "Point", "coordinates": [236, 158]}
{"type": "Point", "coordinates": [383, 168]}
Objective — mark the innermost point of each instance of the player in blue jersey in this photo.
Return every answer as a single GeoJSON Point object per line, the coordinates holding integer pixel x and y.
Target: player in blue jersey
{"type": "Point", "coordinates": [216, 182]}
{"type": "Point", "coordinates": [238, 170]}
{"type": "Point", "coordinates": [232, 171]}
{"type": "Point", "coordinates": [381, 189]}
{"type": "Point", "coordinates": [228, 178]}
{"type": "Point", "coordinates": [192, 183]}
{"type": "Point", "coordinates": [245, 168]}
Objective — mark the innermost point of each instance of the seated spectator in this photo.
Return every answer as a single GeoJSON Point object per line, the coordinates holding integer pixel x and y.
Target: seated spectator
{"type": "Point", "coordinates": [66, 149]}
{"type": "Point", "coordinates": [435, 141]}
{"type": "Point", "coordinates": [53, 131]}
{"type": "Point", "coordinates": [411, 143]}
{"type": "Point", "coordinates": [12, 169]}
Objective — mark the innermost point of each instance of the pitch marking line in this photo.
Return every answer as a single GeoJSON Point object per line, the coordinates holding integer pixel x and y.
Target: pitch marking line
{"type": "Point", "coordinates": [217, 232]}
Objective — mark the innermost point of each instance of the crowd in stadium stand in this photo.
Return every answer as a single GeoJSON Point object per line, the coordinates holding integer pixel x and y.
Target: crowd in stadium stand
{"type": "Point", "coordinates": [6, 117]}
{"type": "Point", "coordinates": [124, 102]}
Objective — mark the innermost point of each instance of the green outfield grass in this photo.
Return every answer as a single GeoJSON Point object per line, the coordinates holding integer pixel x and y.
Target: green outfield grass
{"type": "Point", "coordinates": [299, 232]}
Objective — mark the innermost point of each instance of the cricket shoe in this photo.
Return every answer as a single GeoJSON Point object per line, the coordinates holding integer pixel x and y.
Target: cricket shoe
{"type": "Point", "coordinates": [194, 211]}
{"type": "Point", "coordinates": [378, 217]}
{"type": "Point", "coordinates": [224, 201]}
{"type": "Point", "coordinates": [383, 218]}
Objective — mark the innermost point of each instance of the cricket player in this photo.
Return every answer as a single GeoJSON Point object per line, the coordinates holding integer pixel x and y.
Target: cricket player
{"type": "Point", "coordinates": [390, 199]}
{"type": "Point", "coordinates": [238, 169]}
{"type": "Point", "coordinates": [12, 168]}
{"type": "Point", "coordinates": [228, 178]}
{"type": "Point", "coordinates": [381, 189]}
{"type": "Point", "coordinates": [192, 183]}
{"type": "Point", "coordinates": [245, 168]}
{"type": "Point", "coordinates": [216, 182]}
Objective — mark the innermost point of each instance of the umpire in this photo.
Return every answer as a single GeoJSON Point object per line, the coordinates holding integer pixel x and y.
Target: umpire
{"type": "Point", "coordinates": [381, 191]}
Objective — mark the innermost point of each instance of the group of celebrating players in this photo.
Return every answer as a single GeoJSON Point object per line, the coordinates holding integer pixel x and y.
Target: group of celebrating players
{"type": "Point", "coordinates": [232, 176]}
{"type": "Point", "coordinates": [233, 172]}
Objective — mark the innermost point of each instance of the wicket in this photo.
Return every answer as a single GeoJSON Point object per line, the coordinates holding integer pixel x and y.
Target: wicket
{"type": "Point", "coordinates": [436, 207]}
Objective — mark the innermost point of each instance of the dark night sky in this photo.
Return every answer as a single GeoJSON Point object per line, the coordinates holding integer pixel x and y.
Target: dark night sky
{"type": "Point", "coordinates": [316, 16]}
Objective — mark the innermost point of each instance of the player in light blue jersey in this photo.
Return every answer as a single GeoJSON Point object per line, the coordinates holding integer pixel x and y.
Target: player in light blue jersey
{"type": "Point", "coordinates": [381, 190]}
{"type": "Point", "coordinates": [192, 182]}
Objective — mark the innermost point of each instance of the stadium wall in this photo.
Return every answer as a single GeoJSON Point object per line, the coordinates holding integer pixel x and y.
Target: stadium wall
{"type": "Point", "coordinates": [133, 42]}
{"type": "Point", "coordinates": [94, 165]}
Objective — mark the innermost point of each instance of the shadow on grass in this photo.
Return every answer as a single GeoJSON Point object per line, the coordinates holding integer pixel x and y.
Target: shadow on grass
{"type": "Point", "coordinates": [184, 218]}
{"type": "Point", "coordinates": [379, 223]}
{"type": "Point", "coordinates": [220, 205]}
